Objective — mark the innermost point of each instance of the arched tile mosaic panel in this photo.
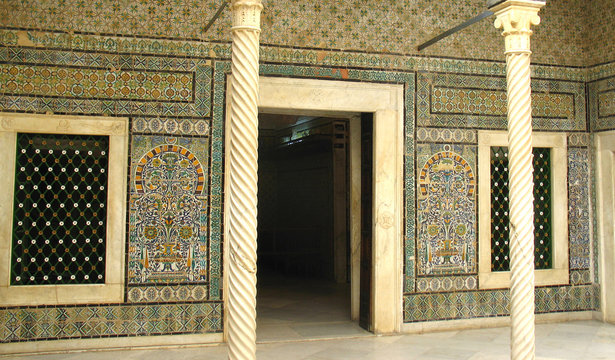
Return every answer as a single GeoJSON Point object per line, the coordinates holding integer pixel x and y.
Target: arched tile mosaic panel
{"type": "Point", "coordinates": [168, 221]}
{"type": "Point", "coordinates": [446, 203]}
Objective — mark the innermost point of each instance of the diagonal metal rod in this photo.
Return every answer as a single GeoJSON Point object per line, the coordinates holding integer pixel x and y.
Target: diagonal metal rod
{"type": "Point", "coordinates": [455, 29]}
{"type": "Point", "coordinates": [216, 16]}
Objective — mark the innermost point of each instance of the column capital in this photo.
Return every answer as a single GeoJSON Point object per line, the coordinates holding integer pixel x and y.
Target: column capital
{"type": "Point", "coordinates": [246, 14]}
{"type": "Point", "coordinates": [515, 17]}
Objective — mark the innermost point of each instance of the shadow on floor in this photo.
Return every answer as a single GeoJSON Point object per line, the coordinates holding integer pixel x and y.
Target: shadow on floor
{"type": "Point", "coordinates": [292, 309]}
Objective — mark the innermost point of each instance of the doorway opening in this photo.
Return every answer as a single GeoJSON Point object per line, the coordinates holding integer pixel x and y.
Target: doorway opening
{"type": "Point", "coordinates": [384, 103]}
{"type": "Point", "coordinates": [304, 247]}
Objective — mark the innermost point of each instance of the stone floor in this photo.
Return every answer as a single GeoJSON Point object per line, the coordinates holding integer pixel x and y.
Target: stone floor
{"type": "Point", "coordinates": [303, 309]}
{"type": "Point", "coordinates": [573, 340]}
{"type": "Point", "coordinates": [310, 320]}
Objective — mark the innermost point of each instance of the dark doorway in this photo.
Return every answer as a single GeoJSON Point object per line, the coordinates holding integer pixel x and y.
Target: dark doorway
{"type": "Point", "coordinates": [303, 228]}
{"type": "Point", "coordinates": [365, 294]}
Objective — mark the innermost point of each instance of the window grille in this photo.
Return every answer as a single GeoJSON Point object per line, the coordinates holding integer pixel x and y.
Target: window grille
{"type": "Point", "coordinates": [500, 231]}
{"type": "Point", "coordinates": [60, 209]}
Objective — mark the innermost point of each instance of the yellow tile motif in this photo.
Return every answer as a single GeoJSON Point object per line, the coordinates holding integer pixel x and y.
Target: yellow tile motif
{"type": "Point", "coordinates": [95, 83]}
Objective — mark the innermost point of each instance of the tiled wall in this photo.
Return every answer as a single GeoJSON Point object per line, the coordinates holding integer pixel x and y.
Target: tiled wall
{"type": "Point", "coordinates": [451, 108]}
{"type": "Point", "coordinates": [386, 26]}
{"type": "Point", "coordinates": [173, 262]}
{"type": "Point", "coordinates": [599, 46]}
{"type": "Point", "coordinates": [144, 60]}
{"type": "Point", "coordinates": [438, 297]}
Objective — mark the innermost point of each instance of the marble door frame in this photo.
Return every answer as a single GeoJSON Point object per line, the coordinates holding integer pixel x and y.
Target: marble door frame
{"type": "Point", "coordinates": [605, 211]}
{"type": "Point", "coordinates": [345, 98]}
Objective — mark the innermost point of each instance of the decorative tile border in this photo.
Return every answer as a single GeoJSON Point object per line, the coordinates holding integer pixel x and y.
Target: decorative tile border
{"type": "Point", "coordinates": [579, 208]}
{"type": "Point", "coordinates": [438, 135]}
{"type": "Point", "coordinates": [454, 101]}
{"type": "Point", "coordinates": [221, 70]}
{"type": "Point", "coordinates": [578, 140]}
{"type": "Point", "coordinates": [124, 84]}
{"type": "Point", "coordinates": [167, 293]}
{"type": "Point", "coordinates": [102, 84]}
{"type": "Point", "coordinates": [170, 126]}
{"type": "Point", "coordinates": [580, 277]}
{"type": "Point", "coordinates": [114, 44]}
{"type": "Point", "coordinates": [279, 54]}
{"type": "Point", "coordinates": [600, 71]}
{"type": "Point", "coordinates": [602, 104]}
{"type": "Point", "coordinates": [490, 102]}
{"type": "Point", "coordinates": [473, 304]}
{"type": "Point", "coordinates": [53, 323]}
{"type": "Point", "coordinates": [446, 283]}
{"type": "Point", "coordinates": [595, 241]}
{"type": "Point", "coordinates": [606, 103]}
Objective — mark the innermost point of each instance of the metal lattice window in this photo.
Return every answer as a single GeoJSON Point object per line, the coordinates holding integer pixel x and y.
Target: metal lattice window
{"type": "Point", "coordinates": [60, 209]}
{"type": "Point", "coordinates": [500, 260]}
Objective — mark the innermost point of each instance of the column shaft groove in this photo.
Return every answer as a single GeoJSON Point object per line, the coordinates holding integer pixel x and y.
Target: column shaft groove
{"type": "Point", "coordinates": [242, 170]}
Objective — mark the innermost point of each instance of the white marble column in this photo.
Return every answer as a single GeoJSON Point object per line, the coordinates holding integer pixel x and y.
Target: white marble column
{"type": "Point", "coordinates": [515, 18]}
{"type": "Point", "coordinates": [242, 170]}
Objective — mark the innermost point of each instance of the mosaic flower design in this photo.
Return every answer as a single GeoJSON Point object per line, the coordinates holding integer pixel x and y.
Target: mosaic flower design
{"type": "Point", "coordinates": [446, 215]}
{"type": "Point", "coordinates": [167, 234]}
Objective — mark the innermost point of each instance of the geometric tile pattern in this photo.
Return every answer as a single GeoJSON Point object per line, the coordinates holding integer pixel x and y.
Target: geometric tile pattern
{"type": "Point", "coordinates": [68, 82]}
{"type": "Point", "coordinates": [170, 126]}
{"type": "Point", "coordinates": [169, 40]}
{"type": "Point", "coordinates": [432, 300]}
{"type": "Point", "coordinates": [472, 304]}
{"type": "Point", "coordinates": [438, 135]}
{"type": "Point", "coordinates": [579, 208]}
{"type": "Point", "coordinates": [600, 32]}
{"type": "Point", "coordinates": [65, 322]}
{"type": "Point", "coordinates": [578, 139]}
{"type": "Point", "coordinates": [578, 277]}
{"type": "Point", "coordinates": [71, 82]}
{"type": "Point", "coordinates": [602, 104]}
{"type": "Point", "coordinates": [446, 216]}
{"type": "Point", "coordinates": [167, 293]}
{"type": "Point", "coordinates": [168, 210]}
{"type": "Point", "coordinates": [446, 283]}
{"type": "Point", "coordinates": [113, 44]}
{"type": "Point", "coordinates": [221, 69]}
{"type": "Point", "coordinates": [595, 242]}
{"type": "Point", "coordinates": [599, 72]}
{"type": "Point", "coordinates": [384, 26]}
{"type": "Point", "coordinates": [606, 103]}
{"type": "Point", "coordinates": [447, 100]}
{"type": "Point", "coordinates": [462, 101]}
{"type": "Point", "coordinates": [182, 48]}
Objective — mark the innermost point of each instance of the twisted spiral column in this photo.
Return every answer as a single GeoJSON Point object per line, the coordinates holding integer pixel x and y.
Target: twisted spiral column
{"type": "Point", "coordinates": [521, 206]}
{"type": "Point", "coordinates": [515, 17]}
{"type": "Point", "coordinates": [243, 154]}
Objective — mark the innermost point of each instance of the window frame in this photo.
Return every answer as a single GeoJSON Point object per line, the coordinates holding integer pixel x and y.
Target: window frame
{"type": "Point", "coordinates": [117, 130]}
{"type": "Point", "coordinates": [559, 273]}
